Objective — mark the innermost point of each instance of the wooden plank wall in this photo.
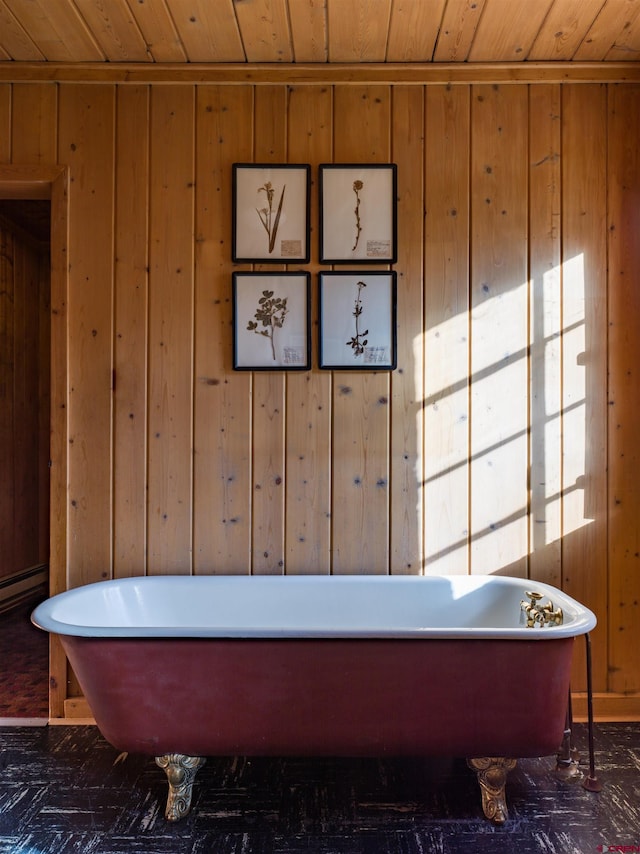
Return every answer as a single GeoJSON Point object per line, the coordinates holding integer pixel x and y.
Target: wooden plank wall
{"type": "Point", "coordinates": [503, 442]}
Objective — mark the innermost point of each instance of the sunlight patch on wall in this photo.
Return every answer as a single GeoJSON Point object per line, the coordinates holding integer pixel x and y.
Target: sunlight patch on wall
{"type": "Point", "coordinates": [499, 425]}
{"type": "Point", "coordinates": [574, 395]}
{"type": "Point", "coordinates": [546, 406]}
{"type": "Point", "coordinates": [446, 432]}
{"type": "Point", "coordinates": [505, 425]}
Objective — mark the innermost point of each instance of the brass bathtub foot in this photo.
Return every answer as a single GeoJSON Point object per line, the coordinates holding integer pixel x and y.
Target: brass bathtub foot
{"type": "Point", "coordinates": [492, 776]}
{"type": "Point", "coordinates": [181, 771]}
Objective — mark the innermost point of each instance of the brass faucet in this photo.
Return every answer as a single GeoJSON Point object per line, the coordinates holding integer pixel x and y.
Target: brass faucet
{"type": "Point", "coordinates": [539, 614]}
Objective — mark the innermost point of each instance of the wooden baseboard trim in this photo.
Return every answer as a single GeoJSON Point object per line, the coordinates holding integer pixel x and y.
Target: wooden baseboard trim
{"type": "Point", "coordinates": [607, 707]}
{"type": "Point", "coordinates": [75, 709]}
{"type": "Point", "coordinates": [24, 586]}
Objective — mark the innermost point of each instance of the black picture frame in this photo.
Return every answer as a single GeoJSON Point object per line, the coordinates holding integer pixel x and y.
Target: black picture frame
{"type": "Point", "coordinates": [357, 320]}
{"type": "Point", "coordinates": [358, 213]}
{"type": "Point", "coordinates": [271, 321]}
{"type": "Point", "coordinates": [270, 213]}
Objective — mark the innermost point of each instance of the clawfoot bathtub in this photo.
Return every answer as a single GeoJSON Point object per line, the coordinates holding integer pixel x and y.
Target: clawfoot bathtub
{"type": "Point", "coordinates": [181, 668]}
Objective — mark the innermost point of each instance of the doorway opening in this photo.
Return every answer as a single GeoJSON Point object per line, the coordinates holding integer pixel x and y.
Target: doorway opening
{"type": "Point", "coordinates": [25, 405]}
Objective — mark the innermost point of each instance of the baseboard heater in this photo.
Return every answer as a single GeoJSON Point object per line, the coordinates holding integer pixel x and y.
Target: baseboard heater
{"type": "Point", "coordinates": [29, 584]}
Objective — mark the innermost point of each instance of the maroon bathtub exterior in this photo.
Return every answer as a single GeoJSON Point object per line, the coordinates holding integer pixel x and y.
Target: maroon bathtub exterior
{"type": "Point", "coordinates": [332, 697]}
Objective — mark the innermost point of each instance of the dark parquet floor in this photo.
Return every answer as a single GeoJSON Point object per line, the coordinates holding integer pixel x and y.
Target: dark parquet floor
{"type": "Point", "coordinates": [24, 666]}
{"type": "Point", "coordinates": [64, 789]}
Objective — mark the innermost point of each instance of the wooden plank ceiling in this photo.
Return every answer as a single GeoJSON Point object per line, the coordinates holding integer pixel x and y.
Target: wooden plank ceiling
{"type": "Point", "coordinates": [319, 31]}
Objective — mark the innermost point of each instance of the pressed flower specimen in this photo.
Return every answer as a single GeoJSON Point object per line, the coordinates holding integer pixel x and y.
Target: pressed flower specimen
{"type": "Point", "coordinates": [358, 342]}
{"type": "Point", "coordinates": [357, 186]}
{"type": "Point", "coordinates": [269, 316]}
{"type": "Point", "coordinates": [266, 215]}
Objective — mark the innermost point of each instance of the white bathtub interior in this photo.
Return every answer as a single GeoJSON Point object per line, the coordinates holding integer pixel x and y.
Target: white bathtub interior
{"type": "Point", "coordinates": [307, 606]}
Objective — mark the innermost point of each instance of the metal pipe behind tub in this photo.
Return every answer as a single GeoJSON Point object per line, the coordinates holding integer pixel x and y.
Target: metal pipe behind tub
{"type": "Point", "coordinates": [591, 783]}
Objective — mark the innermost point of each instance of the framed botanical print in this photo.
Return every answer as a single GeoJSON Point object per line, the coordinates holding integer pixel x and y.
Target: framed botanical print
{"type": "Point", "coordinates": [358, 213]}
{"type": "Point", "coordinates": [357, 329]}
{"type": "Point", "coordinates": [270, 210]}
{"type": "Point", "coordinates": [271, 321]}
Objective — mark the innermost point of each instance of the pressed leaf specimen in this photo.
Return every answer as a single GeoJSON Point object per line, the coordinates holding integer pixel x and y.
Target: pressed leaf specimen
{"type": "Point", "coordinates": [266, 215]}
{"type": "Point", "coordinates": [269, 316]}
{"type": "Point", "coordinates": [358, 342]}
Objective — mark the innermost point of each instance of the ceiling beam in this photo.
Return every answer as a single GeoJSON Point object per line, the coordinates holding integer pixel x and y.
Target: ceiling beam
{"type": "Point", "coordinates": [327, 73]}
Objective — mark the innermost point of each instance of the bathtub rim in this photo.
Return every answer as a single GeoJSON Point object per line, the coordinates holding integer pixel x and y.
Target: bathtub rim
{"type": "Point", "coordinates": [582, 621]}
